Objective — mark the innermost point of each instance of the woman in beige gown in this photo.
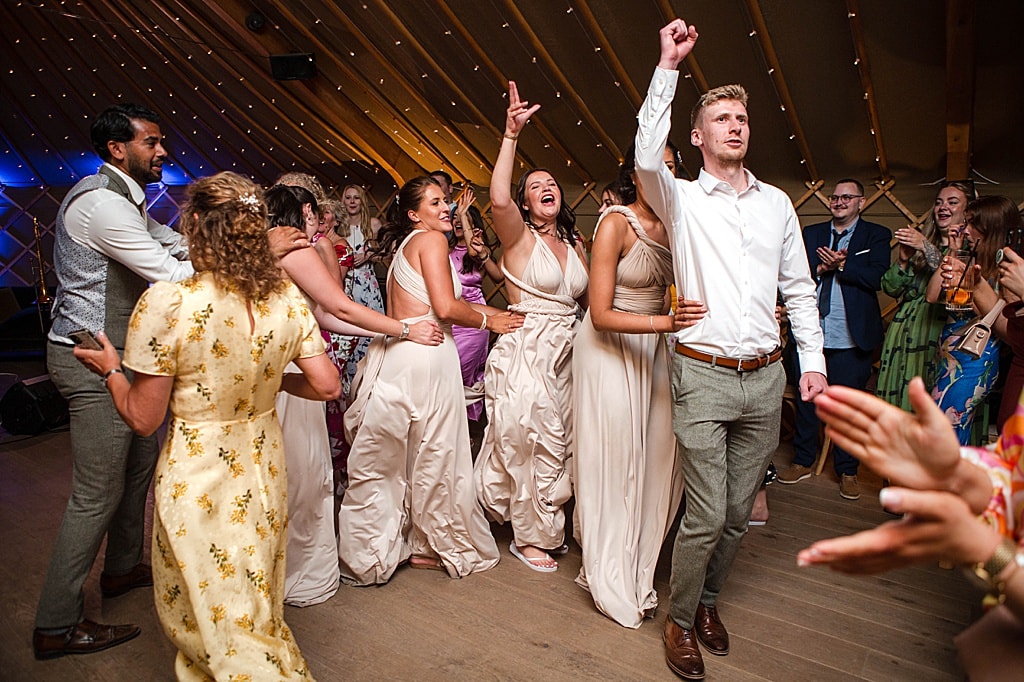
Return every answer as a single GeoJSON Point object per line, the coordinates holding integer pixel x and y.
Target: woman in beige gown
{"type": "Point", "coordinates": [410, 495]}
{"type": "Point", "coordinates": [627, 480]}
{"type": "Point", "coordinates": [215, 347]}
{"type": "Point", "coordinates": [312, 569]}
{"type": "Point", "coordinates": [521, 471]}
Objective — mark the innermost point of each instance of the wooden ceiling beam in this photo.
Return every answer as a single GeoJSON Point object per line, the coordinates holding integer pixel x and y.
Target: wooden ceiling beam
{"type": "Point", "coordinates": [477, 156]}
{"type": "Point", "coordinates": [609, 54]}
{"type": "Point", "coordinates": [864, 69]}
{"type": "Point", "coordinates": [311, 41]}
{"type": "Point", "coordinates": [294, 100]}
{"type": "Point", "coordinates": [358, 158]}
{"type": "Point", "coordinates": [542, 54]}
{"type": "Point", "coordinates": [381, 150]}
{"type": "Point", "coordinates": [499, 77]}
{"type": "Point", "coordinates": [169, 53]}
{"type": "Point", "coordinates": [960, 67]}
{"type": "Point", "coordinates": [775, 71]}
{"type": "Point", "coordinates": [812, 190]}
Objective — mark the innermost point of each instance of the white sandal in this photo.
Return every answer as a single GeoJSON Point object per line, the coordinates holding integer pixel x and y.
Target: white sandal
{"type": "Point", "coordinates": [529, 560]}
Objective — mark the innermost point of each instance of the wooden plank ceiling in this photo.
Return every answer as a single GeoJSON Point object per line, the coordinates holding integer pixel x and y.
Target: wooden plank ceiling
{"type": "Point", "coordinates": [862, 88]}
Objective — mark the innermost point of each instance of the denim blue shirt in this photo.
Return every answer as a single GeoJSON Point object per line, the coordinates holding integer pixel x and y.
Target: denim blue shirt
{"type": "Point", "coordinates": [834, 325]}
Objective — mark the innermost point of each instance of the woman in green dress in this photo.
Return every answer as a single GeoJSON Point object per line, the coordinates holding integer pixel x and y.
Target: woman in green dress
{"type": "Point", "coordinates": [912, 339]}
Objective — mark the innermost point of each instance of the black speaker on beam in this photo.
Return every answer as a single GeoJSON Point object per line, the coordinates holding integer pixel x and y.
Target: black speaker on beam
{"type": "Point", "coordinates": [293, 67]}
{"type": "Point", "coordinates": [31, 406]}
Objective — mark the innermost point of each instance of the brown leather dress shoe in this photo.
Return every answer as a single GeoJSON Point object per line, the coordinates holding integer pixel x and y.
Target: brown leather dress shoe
{"type": "Point", "coordinates": [116, 585]}
{"type": "Point", "coordinates": [710, 631]}
{"type": "Point", "coordinates": [85, 638]}
{"type": "Point", "coordinates": [681, 651]}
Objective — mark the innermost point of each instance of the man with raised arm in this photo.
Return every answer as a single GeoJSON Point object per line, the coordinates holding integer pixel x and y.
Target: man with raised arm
{"type": "Point", "coordinates": [735, 242]}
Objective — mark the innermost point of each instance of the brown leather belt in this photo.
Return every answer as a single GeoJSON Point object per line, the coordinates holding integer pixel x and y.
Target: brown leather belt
{"type": "Point", "coordinates": [731, 363]}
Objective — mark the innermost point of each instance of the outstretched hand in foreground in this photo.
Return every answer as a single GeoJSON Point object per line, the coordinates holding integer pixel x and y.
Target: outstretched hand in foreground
{"type": "Point", "coordinates": [937, 526]}
{"type": "Point", "coordinates": [918, 450]}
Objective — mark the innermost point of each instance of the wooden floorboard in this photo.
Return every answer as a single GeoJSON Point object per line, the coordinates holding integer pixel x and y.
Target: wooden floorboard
{"type": "Point", "coordinates": [786, 623]}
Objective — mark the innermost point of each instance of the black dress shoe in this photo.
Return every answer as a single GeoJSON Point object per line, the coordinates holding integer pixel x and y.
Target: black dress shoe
{"type": "Point", "coordinates": [710, 631]}
{"type": "Point", "coordinates": [85, 638]}
{"type": "Point", "coordinates": [681, 651]}
{"type": "Point", "coordinates": [116, 585]}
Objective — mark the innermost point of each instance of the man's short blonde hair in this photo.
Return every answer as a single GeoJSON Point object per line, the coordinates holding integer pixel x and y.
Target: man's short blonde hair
{"type": "Point", "coordinates": [734, 91]}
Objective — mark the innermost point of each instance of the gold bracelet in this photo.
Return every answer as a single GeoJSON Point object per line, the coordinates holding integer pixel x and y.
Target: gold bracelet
{"type": "Point", "coordinates": [511, 136]}
{"type": "Point", "coordinates": [650, 319]}
{"type": "Point", "coordinates": [987, 572]}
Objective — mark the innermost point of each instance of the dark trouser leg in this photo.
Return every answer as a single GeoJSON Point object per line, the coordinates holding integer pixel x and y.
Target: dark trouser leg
{"type": "Point", "coordinates": [805, 436]}
{"type": "Point", "coordinates": [847, 367]}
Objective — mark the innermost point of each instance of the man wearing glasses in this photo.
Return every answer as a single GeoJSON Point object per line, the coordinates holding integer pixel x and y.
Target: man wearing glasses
{"type": "Point", "coordinates": [848, 257]}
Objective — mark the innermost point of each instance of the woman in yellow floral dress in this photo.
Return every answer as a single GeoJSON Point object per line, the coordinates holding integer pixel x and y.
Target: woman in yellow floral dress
{"type": "Point", "coordinates": [214, 346]}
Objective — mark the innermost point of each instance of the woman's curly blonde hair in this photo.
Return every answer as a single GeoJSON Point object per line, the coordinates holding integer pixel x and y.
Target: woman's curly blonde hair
{"type": "Point", "coordinates": [225, 222]}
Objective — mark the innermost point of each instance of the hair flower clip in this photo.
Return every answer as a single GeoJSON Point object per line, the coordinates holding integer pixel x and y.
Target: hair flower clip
{"type": "Point", "coordinates": [250, 202]}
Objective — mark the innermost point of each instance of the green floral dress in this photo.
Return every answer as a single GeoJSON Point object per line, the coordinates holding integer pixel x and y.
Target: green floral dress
{"type": "Point", "coordinates": [219, 526]}
{"type": "Point", "coordinates": [912, 339]}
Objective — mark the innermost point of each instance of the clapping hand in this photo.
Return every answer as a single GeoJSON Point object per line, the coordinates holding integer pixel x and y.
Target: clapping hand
{"type": "Point", "coordinates": [830, 260]}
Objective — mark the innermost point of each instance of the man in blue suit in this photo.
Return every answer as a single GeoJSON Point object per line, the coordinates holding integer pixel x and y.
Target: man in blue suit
{"type": "Point", "coordinates": [848, 257]}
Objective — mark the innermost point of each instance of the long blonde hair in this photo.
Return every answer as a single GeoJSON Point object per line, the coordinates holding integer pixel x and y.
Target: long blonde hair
{"type": "Point", "coordinates": [365, 218]}
{"type": "Point", "coordinates": [225, 222]}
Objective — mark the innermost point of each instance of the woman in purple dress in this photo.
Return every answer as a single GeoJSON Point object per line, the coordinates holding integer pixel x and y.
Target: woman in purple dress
{"type": "Point", "coordinates": [472, 258]}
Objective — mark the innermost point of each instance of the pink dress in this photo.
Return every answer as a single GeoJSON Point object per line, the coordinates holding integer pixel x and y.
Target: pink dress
{"type": "Point", "coordinates": [471, 343]}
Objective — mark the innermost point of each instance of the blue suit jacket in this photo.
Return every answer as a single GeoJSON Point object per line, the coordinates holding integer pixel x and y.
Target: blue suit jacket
{"type": "Point", "coordinates": [867, 258]}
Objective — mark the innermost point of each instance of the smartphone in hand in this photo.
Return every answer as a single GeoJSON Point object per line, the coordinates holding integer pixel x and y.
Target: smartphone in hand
{"type": "Point", "coordinates": [83, 338]}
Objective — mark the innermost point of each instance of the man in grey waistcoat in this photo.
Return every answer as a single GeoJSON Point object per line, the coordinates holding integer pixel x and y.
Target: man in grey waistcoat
{"type": "Point", "coordinates": [106, 252]}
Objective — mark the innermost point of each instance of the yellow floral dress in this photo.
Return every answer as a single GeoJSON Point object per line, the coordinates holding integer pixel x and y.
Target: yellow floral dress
{"type": "Point", "coordinates": [219, 525]}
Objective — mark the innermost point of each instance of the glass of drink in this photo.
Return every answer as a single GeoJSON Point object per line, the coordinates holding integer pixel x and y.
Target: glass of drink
{"type": "Point", "coordinates": [960, 294]}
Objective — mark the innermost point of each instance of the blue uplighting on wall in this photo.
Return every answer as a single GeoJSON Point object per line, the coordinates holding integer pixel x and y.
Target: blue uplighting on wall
{"type": "Point", "coordinates": [65, 170]}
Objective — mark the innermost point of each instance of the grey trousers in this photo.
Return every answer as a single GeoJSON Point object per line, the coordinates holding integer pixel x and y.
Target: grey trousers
{"type": "Point", "coordinates": [112, 471]}
{"type": "Point", "coordinates": [727, 426]}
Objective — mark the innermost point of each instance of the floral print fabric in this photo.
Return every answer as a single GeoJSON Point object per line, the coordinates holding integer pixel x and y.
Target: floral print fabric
{"type": "Point", "coordinates": [220, 517]}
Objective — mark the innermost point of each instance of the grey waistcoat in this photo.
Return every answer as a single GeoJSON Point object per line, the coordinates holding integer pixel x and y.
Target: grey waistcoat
{"type": "Point", "coordinates": [94, 292]}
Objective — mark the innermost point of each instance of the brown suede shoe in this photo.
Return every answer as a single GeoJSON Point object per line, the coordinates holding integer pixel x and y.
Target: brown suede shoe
{"type": "Point", "coordinates": [116, 585]}
{"type": "Point", "coordinates": [681, 651]}
{"type": "Point", "coordinates": [85, 638]}
{"type": "Point", "coordinates": [710, 631]}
